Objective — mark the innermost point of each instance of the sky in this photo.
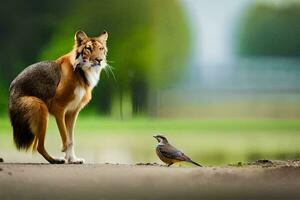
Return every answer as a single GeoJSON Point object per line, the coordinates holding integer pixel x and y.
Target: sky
{"type": "Point", "coordinates": [213, 24]}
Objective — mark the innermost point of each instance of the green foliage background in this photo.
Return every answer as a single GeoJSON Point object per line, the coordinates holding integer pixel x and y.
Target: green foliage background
{"type": "Point", "coordinates": [148, 43]}
{"type": "Point", "coordinates": [270, 30]}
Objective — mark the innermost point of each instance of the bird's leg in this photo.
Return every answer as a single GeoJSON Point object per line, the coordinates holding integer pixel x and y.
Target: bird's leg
{"type": "Point", "coordinates": [170, 164]}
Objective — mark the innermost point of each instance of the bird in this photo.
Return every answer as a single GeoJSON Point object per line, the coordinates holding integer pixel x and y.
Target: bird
{"type": "Point", "coordinates": [169, 154]}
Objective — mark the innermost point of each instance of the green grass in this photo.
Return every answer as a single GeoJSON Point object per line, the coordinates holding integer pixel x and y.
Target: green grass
{"type": "Point", "coordinates": [210, 142]}
{"type": "Point", "coordinates": [193, 125]}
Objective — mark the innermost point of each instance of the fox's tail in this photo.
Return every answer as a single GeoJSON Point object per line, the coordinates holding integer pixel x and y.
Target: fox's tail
{"type": "Point", "coordinates": [195, 163]}
{"type": "Point", "coordinates": [25, 114]}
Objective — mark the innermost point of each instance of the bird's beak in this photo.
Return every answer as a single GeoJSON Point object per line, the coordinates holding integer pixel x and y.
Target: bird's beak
{"type": "Point", "coordinates": [155, 136]}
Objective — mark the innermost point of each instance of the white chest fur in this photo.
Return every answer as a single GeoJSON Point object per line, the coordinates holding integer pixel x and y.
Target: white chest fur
{"type": "Point", "coordinates": [79, 92]}
{"type": "Point", "coordinates": [93, 74]}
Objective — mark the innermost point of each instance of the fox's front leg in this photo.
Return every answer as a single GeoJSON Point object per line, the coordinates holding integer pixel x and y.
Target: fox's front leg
{"type": "Point", "coordinates": [70, 120]}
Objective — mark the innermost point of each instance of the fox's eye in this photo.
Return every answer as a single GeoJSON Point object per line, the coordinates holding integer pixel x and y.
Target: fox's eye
{"type": "Point", "coordinates": [101, 48]}
{"type": "Point", "coordinates": [89, 48]}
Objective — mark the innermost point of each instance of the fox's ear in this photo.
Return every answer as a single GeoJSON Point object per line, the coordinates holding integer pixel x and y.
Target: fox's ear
{"type": "Point", "coordinates": [79, 37]}
{"type": "Point", "coordinates": [103, 37]}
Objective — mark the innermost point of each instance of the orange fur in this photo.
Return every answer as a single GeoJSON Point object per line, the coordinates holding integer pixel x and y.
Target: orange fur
{"type": "Point", "coordinates": [79, 73]}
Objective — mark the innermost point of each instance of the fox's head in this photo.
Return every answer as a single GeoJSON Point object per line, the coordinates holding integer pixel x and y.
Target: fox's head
{"type": "Point", "coordinates": [90, 52]}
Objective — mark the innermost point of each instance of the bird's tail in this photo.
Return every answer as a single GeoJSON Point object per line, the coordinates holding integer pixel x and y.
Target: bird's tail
{"type": "Point", "coordinates": [195, 163]}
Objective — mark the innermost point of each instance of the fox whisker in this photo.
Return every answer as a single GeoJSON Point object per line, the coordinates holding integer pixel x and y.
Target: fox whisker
{"type": "Point", "coordinates": [106, 72]}
{"type": "Point", "coordinates": [110, 69]}
{"type": "Point", "coordinates": [110, 61]}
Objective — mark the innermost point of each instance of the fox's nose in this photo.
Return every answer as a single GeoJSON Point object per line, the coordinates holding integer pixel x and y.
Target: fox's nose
{"type": "Point", "coordinates": [98, 61]}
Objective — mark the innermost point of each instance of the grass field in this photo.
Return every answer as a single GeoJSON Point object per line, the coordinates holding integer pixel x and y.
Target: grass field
{"type": "Point", "coordinates": [209, 142]}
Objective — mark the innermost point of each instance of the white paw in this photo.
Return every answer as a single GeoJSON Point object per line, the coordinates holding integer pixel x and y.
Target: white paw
{"type": "Point", "coordinates": [74, 160]}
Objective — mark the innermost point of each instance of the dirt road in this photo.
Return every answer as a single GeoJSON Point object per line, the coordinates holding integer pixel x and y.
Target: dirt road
{"type": "Point", "coordinates": [106, 181]}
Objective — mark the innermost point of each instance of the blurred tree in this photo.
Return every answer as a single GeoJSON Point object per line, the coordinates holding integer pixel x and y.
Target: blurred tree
{"type": "Point", "coordinates": [24, 27]}
{"type": "Point", "coordinates": [148, 46]}
{"type": "Point", "coordinates": [270, 30]}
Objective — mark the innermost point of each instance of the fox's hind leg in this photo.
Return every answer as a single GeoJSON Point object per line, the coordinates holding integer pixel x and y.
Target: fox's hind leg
{"type": "Point", "coordinates": [38, 121]}
{"type": "Point", "coordinates": [41, 144]}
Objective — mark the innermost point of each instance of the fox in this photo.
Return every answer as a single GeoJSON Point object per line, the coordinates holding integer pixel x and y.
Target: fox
{"type": "Point", "coordinates": [61, 88]}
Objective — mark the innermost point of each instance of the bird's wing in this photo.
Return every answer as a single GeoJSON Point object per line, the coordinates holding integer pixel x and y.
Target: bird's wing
{"type": "Point", "coordinates": [172, 153]}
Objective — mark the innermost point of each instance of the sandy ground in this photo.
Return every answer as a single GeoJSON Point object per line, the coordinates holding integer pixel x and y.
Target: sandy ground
{"type": "Point", "coordinates": [262, 180]}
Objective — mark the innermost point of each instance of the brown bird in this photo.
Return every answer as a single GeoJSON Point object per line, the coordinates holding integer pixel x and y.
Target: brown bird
{"type": "Point", "coordinates": [169, 154]}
